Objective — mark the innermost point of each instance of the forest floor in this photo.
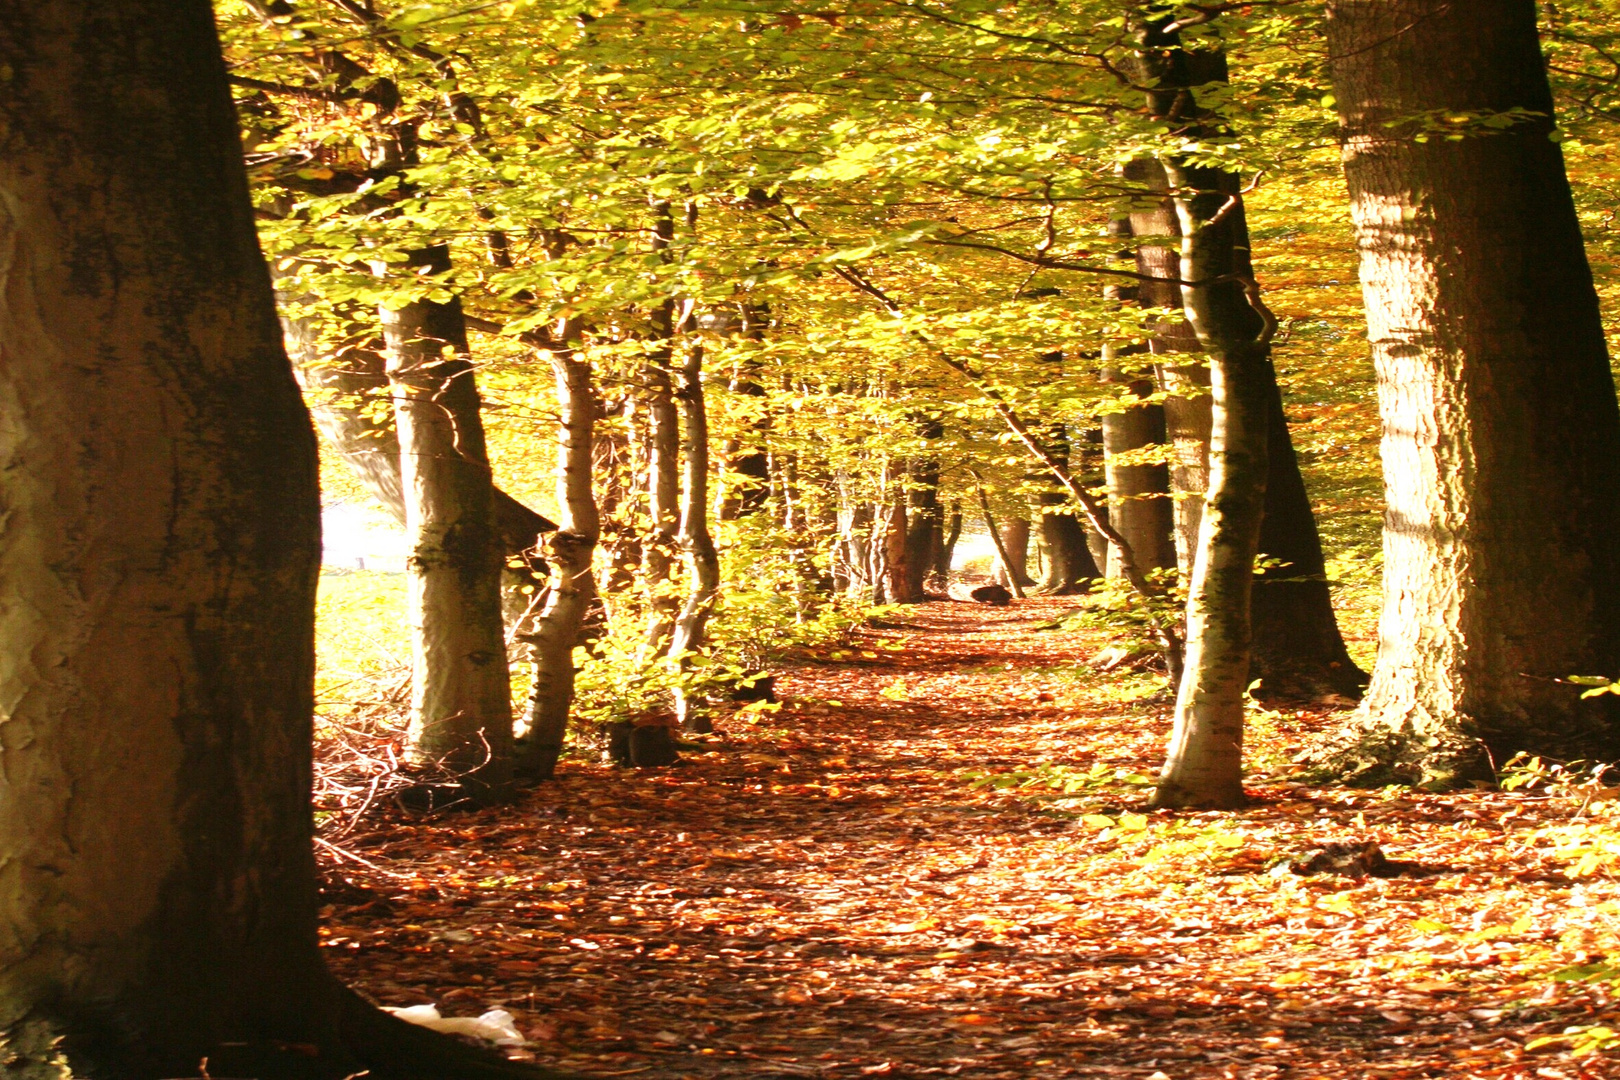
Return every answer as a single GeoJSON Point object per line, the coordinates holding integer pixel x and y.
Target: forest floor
{"type": "Point", "coordinates": [833, 889]}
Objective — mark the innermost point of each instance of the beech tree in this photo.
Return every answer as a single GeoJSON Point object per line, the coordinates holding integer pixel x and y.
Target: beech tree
{"type": "Point", "coordinates": [1501, 439]}
{"type": "Point", "coordinates": [159, 561]}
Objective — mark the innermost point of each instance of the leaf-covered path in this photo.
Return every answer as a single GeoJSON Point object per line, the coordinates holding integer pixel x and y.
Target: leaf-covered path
{"type": "Point", "coordinates": [825, 891]}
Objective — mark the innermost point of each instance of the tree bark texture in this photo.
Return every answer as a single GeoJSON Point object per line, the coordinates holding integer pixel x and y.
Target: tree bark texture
{"type": "Point", "coordinates": [1501, 440]}
{"type": "Point", "coordinates": [158, 564]}
{"type": "Point", "coordinates": [1139, 505]}
{"type": "Point", "coordinates": [925, 526]}
{"type": "Point", "coordinates": [461, 704]}
{"type": "Point", "coordinates": [573, 588]}
{"type": "Point", "coordinates": [663, 463]}
{"type": "Point", "coordinates": [1204, 766]}
{"type": "Point", "coordinates": [703, 561]}
{"type": "Point", "coordinates": [344, 386]}
{"type": "Point", "coordinates": [1298, 652]}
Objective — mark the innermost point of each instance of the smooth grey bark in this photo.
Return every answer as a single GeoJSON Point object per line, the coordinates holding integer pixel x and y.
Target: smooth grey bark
{"type": "Point", "coordinates": [1501, 441]}
{"type": "Point", "coordinates": [461, 704]}
{"type": "Point", "coordinates": [345, 389]}
{"type": "Point", "coordinates": [572, 548]}
{"type": "Point", "coordinates": [158, 562]}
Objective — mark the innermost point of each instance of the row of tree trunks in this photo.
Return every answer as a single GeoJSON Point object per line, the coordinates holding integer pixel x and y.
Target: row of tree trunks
{"type": "Point", "coordinates": [161, 551]}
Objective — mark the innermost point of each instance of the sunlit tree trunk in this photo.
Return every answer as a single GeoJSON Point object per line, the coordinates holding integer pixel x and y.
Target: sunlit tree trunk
{"type": "Point", "coordinates": [1015, 538]}
{"type": "Point", "coordinates": [659, 550]}
{"type": "Point", "coordinates": [703, 562]}
{"type": "Point", "coordinates": [1139, 505]}
{"type": "Point", "coordinates": [572, 546]}
{"type": "Point", "coordinates": [461, 706]}
{"type": "Point", "coordinates": [1205, 763]}
{"type": "Point", "coordinates": [1501, 441]}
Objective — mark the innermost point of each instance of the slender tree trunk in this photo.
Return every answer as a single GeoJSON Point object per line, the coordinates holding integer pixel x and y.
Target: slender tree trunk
{"type": "Point", "coordinates": [947, 549]}
{"type": "Point", "coordinates": [749, 460]}
{"type": "Point", "coordinates": [461, 705]}
{"type": "Point", "coordinates": [343, 388]}
{"type": "Point", "coordinates": [573, 588]}
{"type": "Point", "coordinates": [1501, 438]}
{"type": "Point", "coordinates": [1205, 763]}
{"type": "Point", "coordinates": [1298, 652]}
{"type": "Point", "coordinates": [1007, 571]}
{"type": "Point", "coordinates": [159, 562]}
{"type": "Point", "coordinates": [703, 562]}
{"type": "Point", "coordinates": [663, 463]}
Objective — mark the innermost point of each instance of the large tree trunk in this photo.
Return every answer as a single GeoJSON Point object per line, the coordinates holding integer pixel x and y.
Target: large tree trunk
{"type": "Point", "coordinates": [573, 589]}
{"type": "Point", "coordinates": [461, 703]}
{"type": "Point", "coordinates": [158, 562]}
{"type": "Point", "coordinates": [1501, 436]}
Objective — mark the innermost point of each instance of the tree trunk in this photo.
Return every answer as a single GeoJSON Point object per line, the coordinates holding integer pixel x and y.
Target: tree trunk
{"type": "Point", "coordinates": [925, 528]}
{"type": "Point", "coordinates": [1501, 435]}
{"type": "Point", "coordinates": [572, 548]}
{"type": "Point", "coordinates": [1205, 763]}
{"type": "Point", "coordinates": [461, 704]}
{"type": "Point", "coordinates": [947, 549]}
{"type": "Point", "coordinates": [1068, 566]}
{"type": "Point", "coordinates": [1007, 572]}
{"type": "Point", "coordinates": [1298, 652]}
{"type": "Point", "coordinates": [159, 560]}
{"type": "Point", "coordinates": [893, 575]}
{"type": "Point", "coordinates": [343, 387]}
{"type": "Point", "coordinates": [703, 562]}
{"type": "Point", "coordinates": [1015, 538]}
{"type": "Point", "coordinates": [1138, 494]}
{"type": "Point", "coordinates": [663, 461]}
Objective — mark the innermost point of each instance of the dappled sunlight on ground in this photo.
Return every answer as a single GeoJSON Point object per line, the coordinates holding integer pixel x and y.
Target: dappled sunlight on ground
{"type": "Point", "coordinates": [841, 888]}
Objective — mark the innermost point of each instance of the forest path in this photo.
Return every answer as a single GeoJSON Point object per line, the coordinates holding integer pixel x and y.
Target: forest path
{"type": "Point", "coordinates": [824, 891]}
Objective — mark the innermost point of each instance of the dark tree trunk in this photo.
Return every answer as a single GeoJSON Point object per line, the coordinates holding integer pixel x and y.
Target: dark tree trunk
{"type": "Point", "coordinates": [159, 562]}
{"type": "Point", "coordinates": [1139, 504]}
{"type": "Point", "coordinates": [947, 549]}
{"type": "Point", "coordinates": [1501, 435]}
{"type": "Point", "coordinates": [461, 698]}
{"type": "Point", "coordinates": [1069, 566]}
{"type": "Point", "coordinates": [925, 527]}
{"type": "Point", "coordinates": [659, 550]}
{"type": "Point", "coordinates": [1298, 651]}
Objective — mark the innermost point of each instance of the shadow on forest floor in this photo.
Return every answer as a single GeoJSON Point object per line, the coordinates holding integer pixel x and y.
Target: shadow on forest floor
{"type": "Point", "coordinates": [826, 891]}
